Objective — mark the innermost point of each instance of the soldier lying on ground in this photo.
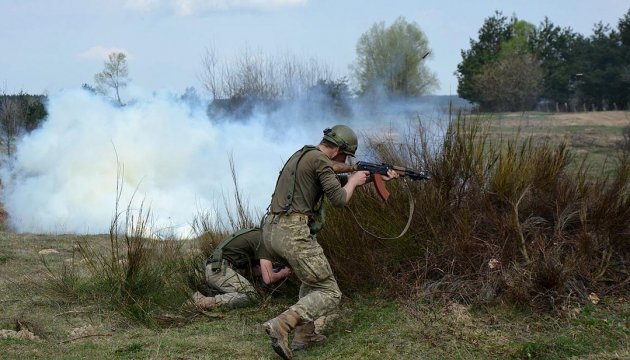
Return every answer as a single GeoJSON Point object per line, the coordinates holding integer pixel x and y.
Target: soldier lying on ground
{"type": "Point", "coordinates": [228, 267]}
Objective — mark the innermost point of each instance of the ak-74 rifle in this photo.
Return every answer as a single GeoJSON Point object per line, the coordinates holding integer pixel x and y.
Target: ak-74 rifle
{"type": "Point", "coordinates": [379, 170]}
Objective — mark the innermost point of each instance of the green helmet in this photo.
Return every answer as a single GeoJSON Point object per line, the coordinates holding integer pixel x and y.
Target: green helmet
{"type": "Point", "coordinates": [343, 137]}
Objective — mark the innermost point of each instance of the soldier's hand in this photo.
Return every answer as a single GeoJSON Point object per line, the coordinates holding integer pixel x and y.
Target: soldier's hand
{"type": "Point", "coordinates": [286, 272]}
{"type": "Point", "coordinates": [359, 177]}
{"type": "Point", "coordinates": [391, 174]}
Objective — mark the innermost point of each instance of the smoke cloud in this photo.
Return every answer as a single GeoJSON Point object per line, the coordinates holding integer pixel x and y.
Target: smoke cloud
{"type": "Point", "coordinates": [176, 161]}
{"type": "Point", "coordinates": [167, 155]}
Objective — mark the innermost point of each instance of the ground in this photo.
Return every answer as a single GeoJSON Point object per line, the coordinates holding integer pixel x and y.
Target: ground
{"type": "Point", "coordinates": [35, 325]}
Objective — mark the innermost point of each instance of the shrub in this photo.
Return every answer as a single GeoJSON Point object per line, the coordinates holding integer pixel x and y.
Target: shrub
{"type": "Point", "coordinates": [502, 219]}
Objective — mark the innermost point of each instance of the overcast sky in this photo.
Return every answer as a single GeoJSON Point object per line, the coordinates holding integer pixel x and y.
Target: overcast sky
{"type": "Point", "coordinates": [50, 45]}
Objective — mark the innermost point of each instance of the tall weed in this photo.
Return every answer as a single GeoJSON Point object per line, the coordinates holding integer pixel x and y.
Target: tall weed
{"type": "Point", "coordinates": [139, 275]}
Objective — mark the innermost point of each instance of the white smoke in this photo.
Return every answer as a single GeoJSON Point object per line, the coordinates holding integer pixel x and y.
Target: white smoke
{"type": "Point", "coordinates": [169, 158]}
{"type": "Point", "coordinates": [64, 175]}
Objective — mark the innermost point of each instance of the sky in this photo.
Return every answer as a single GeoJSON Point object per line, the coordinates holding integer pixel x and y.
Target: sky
{"type": "Point", "coordinates": [48, 46]}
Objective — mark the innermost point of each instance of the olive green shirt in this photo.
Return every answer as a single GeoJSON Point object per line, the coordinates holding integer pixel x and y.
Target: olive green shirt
{"type": "Point", "coordinates": [314, 177]}
{"type": "Point", "coordinates": [246, 249]}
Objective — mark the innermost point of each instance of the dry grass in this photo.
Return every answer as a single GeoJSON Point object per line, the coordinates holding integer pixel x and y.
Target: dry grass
{"type": "Point", "coordinates": [502, 222]}
{"type": "Point", "coordinates": [505, 218]}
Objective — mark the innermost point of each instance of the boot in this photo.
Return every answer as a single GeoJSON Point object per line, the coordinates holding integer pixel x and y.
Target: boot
{"type": "Point", "coordinates": [279, 329]}
{"type": "Point", "coordinates": [204, 302]}
{"type": "Point", "coordinates": [306, 336]}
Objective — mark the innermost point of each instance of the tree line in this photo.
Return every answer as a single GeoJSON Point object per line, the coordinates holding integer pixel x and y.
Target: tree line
{"type": "Point", "coordinates": [514, 65]}
{"type": "Point", "coordinates": [19, 114]}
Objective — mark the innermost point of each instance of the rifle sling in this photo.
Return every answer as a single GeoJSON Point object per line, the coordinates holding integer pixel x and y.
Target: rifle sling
{"type": "Point", "coordinates": [404, 231]}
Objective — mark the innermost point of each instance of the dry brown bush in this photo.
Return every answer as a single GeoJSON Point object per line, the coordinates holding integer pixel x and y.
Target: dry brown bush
{"type": "Point", "coordinates": [501, 220]}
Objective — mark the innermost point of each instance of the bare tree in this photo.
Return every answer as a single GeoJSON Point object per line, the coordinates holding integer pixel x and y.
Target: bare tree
{"type": "Point", "coordinates": [210, 74]}
{"type": "Point", "coordinates": [257, 76]}
{"type": "Point", "coordinates": [114, 77]}
{"type": "Point", "coordinates": [11, 121]}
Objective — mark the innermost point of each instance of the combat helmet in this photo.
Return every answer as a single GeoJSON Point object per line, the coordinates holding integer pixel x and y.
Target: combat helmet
{"type": "Point", "coordinates": [343, 137]}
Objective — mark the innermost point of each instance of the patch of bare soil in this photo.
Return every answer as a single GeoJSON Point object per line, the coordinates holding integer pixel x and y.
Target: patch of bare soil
{"type": "Point", "coordinates": [604, 118]}
{"type": "Point", "coordinates": [596, 118]}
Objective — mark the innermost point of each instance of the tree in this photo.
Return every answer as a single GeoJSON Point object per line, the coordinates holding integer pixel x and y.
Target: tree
{"type": "Point", "coordinates": [257, 81]}
{"type": "Point", "coordinates": [520, 41]}
{"type": "Point", "coordinates": [500, 70]}
{"type": "Point", "coordinates": [556, 48]}
{"type": "Point", "coordinates": [511, 83]}
{"type": "Point", "coordinates": [624, 33]}
{"type": "Point", "coordinates": [114, 77]}
{"type": "Point", "coordinates": [331, 96]}
{"type": "Point", "coordinates": [392, 59]}
{"type": "Point", "coordinates": [11, 121]}
{"type": "Point", "coordinates": [494, 31]}
{"type": "Point", "coordinates": [603, 65]}
{"type": "Point", "coordinates": [35, 112]}
{"type": "Point", "coordinates": [624, 29]}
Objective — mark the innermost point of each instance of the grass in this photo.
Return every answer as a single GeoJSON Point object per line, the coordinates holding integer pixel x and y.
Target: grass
{"type": "Point", "coordinates": [594, 135]}
{"type": "Point", "coordinates": [510, 244]}
{"type": "Point", "coordinates": [368, 326]}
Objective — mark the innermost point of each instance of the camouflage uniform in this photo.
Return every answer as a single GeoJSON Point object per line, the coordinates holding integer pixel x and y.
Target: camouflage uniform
{"type": "Point", "coordinates": [287, 235]}
{"type": "Point", "coordinates": [239, 255]}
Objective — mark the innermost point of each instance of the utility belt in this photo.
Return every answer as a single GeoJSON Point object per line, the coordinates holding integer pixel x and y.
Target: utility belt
{"type": "Point", "coordinates": [217, 264]}
{"type": "Point", "coordinates": [296, 217]}
{"type": "Point", "coordinates": [221, 265]}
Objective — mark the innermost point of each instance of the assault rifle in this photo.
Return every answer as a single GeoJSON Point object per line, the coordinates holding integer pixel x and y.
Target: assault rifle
{"type": "Point", "coordinates": [379, 170]}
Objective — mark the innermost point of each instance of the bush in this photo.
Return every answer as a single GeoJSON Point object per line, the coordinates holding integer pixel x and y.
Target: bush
{"type": "Point", "coordinates": [502, 219]}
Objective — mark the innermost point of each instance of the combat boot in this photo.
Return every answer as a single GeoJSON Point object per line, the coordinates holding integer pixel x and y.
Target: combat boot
{"type": "Point", "coordinates": [204, 302]}
{"type": "Point", "coordinates": [306, 336]}
{"type": "Point", "coordinates": [279, 329]}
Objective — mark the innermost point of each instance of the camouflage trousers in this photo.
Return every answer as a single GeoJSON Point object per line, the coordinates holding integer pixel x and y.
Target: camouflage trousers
{"type": "Point", "coordinates": [237, 290]}
{"type": "Point", "coordinates": [289, 238]}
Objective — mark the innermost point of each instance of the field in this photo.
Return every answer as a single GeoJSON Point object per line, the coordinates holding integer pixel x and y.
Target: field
{"type": "Point", "coordinates": [595, 135]}
{"type": "Point", "coordinates": [39, 323]}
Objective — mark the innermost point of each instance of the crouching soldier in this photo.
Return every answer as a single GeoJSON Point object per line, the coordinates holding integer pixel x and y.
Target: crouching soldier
{"type": "Point", "coordinates": [236, 257]}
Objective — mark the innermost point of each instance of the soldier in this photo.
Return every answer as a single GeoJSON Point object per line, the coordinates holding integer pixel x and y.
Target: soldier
{"type": "Point", "coordinates": [290, 226]}
{"type": "Point", "coordinates": [240, 253]}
